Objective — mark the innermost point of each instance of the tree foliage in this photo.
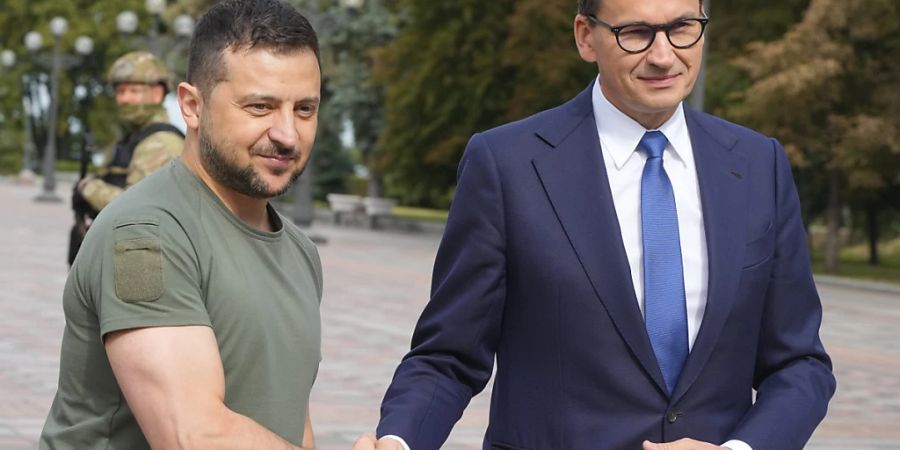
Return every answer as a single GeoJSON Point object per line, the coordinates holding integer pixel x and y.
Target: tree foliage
{"type": "Point", "coordinates": [443, 79]}
{"type": "Point", "coordinates": [349, 39]}
{"type": "Point", "coordinates": [540, 50]}
{"type": "Point", "coordinates": [828, 89]}
{"type": "Point", "coordinates": [734, 24]}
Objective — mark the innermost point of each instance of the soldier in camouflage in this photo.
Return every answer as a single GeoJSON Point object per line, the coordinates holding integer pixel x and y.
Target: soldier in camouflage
{"type": "Point", "coordinates": [149, 141]}
{"type": "Point", "coordinates": [141, 82]}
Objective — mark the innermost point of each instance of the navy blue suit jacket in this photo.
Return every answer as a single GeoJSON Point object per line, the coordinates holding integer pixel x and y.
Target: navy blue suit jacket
{"type": "Point", "coordinates": [532, 270]}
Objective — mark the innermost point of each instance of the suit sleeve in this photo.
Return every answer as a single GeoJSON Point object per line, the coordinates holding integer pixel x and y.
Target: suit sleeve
{"type": "Point", "coordinates": [455, 340]}
{"type": "Point", "coordinates": [793, 377]}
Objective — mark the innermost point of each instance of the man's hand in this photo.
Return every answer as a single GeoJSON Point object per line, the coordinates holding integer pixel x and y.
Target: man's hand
{"type": "Point", "coordinates": [80, 186]}
{"type": "Point", "coordinates": [681, 444]}
{"type": "Point", "coordinates": [368, 441]}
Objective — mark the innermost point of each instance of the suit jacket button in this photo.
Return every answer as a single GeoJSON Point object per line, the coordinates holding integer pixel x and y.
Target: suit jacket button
{"type": "Point", "coordinates": [672, 416]}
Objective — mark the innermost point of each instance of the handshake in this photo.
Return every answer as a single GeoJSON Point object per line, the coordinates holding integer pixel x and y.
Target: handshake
{"type": "Point", "coordinates": [368, 441]}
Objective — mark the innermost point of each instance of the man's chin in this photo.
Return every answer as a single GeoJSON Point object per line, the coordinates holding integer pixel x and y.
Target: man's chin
{"type": "Point", "coordinates": [275, 186]}
{"type": "Point", "coordinates": [666, 98]}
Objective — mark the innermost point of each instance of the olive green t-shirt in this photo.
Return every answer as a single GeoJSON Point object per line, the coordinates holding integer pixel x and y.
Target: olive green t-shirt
{"type": "Point", "coordinates": [168, 252]}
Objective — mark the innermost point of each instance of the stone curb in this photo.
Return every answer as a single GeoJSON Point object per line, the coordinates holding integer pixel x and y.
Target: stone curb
{"type": "Point", "coordinates": [876, 286]}
{"type": "Point", "coordinates": [390, 224]}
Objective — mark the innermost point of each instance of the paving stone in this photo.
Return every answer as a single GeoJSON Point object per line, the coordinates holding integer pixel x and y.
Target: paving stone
{"type": "Point", "coordinates": [376, 284]}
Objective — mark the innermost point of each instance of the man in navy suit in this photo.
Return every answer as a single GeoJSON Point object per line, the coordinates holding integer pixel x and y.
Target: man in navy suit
{"type": "Point", "coordinates": [637, 268]}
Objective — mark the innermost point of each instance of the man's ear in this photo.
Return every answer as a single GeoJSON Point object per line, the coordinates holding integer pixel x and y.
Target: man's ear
{"type": "Point", "coordinates": [583, 38]}
{"type": "Point", "coordinates": [191, 102]}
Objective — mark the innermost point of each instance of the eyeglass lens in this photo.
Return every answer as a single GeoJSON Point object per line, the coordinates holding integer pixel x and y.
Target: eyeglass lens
{"type": "Point", "coordinates": [684, 33]}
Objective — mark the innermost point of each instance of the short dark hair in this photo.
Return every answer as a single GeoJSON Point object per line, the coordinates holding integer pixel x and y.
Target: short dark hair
{"type": "Point", "coordinates": [586, 7]}
{"type": "Point", "coordinates": [245, 24]}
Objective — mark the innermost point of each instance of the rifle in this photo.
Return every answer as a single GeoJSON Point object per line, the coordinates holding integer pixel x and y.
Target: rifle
{"type": "Point", "coordinates": [84, 213]}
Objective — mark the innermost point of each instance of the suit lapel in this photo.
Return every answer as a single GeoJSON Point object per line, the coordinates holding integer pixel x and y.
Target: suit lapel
{"type": "Point", "coordinates": [574, 178]}
{"type": "Point", "coordinates": [723, 189]}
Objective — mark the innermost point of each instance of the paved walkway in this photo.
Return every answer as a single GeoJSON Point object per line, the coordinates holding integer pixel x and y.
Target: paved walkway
{"type": "Point", "coordinates": [375, 284]}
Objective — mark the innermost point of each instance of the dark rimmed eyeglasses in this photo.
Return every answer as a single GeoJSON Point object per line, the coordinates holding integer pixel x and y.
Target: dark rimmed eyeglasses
{"type": "Point", "coordinates": [638, 37]}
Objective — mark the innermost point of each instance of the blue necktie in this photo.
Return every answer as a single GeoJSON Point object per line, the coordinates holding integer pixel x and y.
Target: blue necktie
{"type": "Point", "coordinates": [664, 305]}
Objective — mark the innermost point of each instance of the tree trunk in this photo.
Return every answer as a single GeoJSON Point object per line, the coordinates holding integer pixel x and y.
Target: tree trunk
{"type": "Point", "coordinates": [872, 225]}
{"type": "Point", "coordinates": [832, 236]}
{"type": "Point", "coordinates": [376, 185]}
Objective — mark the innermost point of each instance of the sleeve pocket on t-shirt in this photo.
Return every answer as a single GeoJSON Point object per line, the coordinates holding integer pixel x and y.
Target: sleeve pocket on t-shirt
{"type": "Point", "coordinates": [139, 275]}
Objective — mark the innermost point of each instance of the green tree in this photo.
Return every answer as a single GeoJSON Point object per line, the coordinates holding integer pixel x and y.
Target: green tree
{"type": "Point", "coordinates": [540, 49]}
{"type": "Point", "coordinates": [349, 39]}
{"type": "Point", "coordinates": [734, 24]}
{"type": "Point", "coordinates": [828, 90]}
{"type": "Point", "coordinates": [444, 79]}
{"type": "Point", "coordinates": [332, 163]}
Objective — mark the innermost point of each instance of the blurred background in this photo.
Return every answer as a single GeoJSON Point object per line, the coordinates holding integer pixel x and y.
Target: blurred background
{"type": "Point", "coordinates": [406, 82]}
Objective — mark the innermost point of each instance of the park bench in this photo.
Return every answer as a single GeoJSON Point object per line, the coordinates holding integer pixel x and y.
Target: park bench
{"type": "Point", "coordinates": [378, 209]}
{"type": "Point", "coordinates": [345, 206]}
{"type": "Point", "coordinates": [354, 209]}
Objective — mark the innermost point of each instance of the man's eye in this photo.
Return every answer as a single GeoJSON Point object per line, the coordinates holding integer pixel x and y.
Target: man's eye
{"type": "Point", "coordinates": [306, 110]}
{"type": "Point", "coordinates": [258, 107]}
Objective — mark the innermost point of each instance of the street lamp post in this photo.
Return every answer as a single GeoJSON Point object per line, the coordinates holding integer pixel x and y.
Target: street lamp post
{"type": "Point", "coordinates": [58, 62]}
{"type": "Point", "coordinates": [58, 27]}
{"type": "Point", "coordinates": [156, 8]}
{"type": "Point", "coordinates": [33, 43]}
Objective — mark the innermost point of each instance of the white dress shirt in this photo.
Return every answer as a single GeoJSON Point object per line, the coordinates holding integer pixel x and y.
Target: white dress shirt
{"type": "Point", "coordinates": [619, 138]}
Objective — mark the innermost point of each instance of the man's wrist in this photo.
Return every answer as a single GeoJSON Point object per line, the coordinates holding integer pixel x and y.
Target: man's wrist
{"type": "Point", "coordinates": [735, 444]}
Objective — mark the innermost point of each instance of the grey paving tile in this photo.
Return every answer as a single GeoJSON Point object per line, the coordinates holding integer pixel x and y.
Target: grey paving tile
{"type": "Point", "coordinates": [376, 283]}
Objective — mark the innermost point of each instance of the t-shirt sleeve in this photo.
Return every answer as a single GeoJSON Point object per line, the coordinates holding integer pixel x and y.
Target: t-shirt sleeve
{"type": "Point", "coordinates": [149, 276]}
{"type": "Point", "coordinates": [317, 268]}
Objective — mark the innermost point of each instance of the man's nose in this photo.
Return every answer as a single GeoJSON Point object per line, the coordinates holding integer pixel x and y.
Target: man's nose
{"type": "Point", "coordinates": [661, 53]}
{"type": "Point", "coordinates": [283, 130]}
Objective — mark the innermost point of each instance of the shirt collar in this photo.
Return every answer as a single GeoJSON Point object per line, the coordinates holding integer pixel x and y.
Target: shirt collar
{"type": "Point", "coordinates": [620, 134]}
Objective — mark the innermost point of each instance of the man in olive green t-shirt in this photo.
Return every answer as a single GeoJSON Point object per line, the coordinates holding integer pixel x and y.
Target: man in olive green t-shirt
{"type": "Point", "coordinates": [192, 310]}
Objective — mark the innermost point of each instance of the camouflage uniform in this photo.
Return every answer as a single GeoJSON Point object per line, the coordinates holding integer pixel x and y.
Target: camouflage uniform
{"type": "Point", "coordinates": [152, 152]}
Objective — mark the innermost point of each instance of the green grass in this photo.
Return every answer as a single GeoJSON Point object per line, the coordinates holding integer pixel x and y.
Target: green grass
{"type": "Point", "coordinates": [66, 165]}
{"type": "Point", "coordinates": [425, 214]}
{"type": "Point", "coordinates": [854, 262]}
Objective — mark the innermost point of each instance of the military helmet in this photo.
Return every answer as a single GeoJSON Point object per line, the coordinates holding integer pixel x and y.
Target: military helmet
{"type": "Point", "coordinates": [140, 67]}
